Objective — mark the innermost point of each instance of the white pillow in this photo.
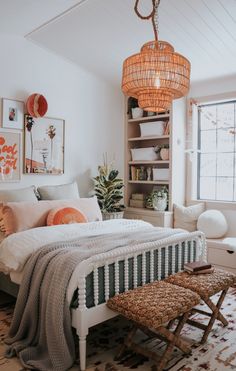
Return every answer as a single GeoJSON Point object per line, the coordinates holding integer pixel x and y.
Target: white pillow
{"type": "Point", "coordinates": [143, 154]}
{"type": "Point", "coordinates": [18, 195]}
{"type": "Point", "coordinates": [59, 192]}
{"type": "Point", "coordinates": [212, 223]}
{"type": "Point", "coordinates": [152, 128]}
{"type": "Point", "coordinates": [186, 217]}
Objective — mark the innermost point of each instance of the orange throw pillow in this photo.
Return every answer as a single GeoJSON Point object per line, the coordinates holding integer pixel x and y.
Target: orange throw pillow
{"type": "Point", "coordinates": [65, 215]}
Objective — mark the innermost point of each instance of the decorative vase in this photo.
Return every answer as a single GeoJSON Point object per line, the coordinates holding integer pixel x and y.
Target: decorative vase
{"type": "Point", "coordinates": [137, 112]}
{"type": "Point", "coordinates": [164, 153]}
{"type": "Point", "coordinates": [112, 215]}
{"type": "Point", "coordinates": [160, 203]}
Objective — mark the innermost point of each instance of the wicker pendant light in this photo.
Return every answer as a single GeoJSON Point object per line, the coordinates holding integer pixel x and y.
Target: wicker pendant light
{"type": "Point", "coordinates": [156, 75]}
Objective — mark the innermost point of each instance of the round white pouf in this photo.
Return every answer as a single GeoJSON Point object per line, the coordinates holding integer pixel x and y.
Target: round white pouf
{"type": "Point", "coordinates": [212, 223]}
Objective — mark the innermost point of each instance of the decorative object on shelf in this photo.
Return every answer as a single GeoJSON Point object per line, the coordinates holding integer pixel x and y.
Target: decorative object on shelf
{"type": "Point", "coordinates": [167, 128]}
{"type": "Point", "coordinates": [142, 173]}
{"type": "Point", "coordinates": [156, 75]}
{"type": "Point", "coordinates": [108, 189]}
{"type": "Point", "coordinates": [149, 174]}
{"type": "Point", "coordinates": [36, 105]}
{"type": "Point", "coordinates": [10, 156]}
{"type": "Point", "coordinates": [163, 152]}
{"type": "Point", "coordinates": [44, 146]}
{"type": "Point", "coordinates": [157, 199]}
{"type": "Point", "coordinates": [134, 110]}
{"type": "Point", "coordinates": [160, 200]}
{"type": "Point", "coordinates": [12, 114]}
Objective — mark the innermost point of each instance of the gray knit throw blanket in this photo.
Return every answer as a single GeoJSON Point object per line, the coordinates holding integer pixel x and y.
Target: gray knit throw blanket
{"type": "Point", "coordinates": [41, 333]}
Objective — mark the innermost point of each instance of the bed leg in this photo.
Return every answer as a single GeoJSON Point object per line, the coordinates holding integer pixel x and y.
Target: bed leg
{"type": "Point", "coordinates": [82, 352]}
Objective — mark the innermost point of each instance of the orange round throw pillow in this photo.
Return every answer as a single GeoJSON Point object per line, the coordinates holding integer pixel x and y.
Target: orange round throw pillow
{"type": "Point", "coordinates": [65, 215]}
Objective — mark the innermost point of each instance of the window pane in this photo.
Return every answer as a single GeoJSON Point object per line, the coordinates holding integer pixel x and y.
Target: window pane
{"type": "Point", "coordinates": [208, 117]}
{"type": "Point", "coordinates": [224, 189]}
{"type": "Point", "coordinates": [225, 115]}
{"type": "Point", "coordinates": [217, 145]}
{"type": "Point", "coordinates": [225, 164]}
{"type": "Point", "coordinates": [208, 164]}
{"type": "Point", "coordinates": [207, 188]}
{"type": "Point", "coordinates": [208, 141]}
{"type": "Point", "coordinates": [225, 141]}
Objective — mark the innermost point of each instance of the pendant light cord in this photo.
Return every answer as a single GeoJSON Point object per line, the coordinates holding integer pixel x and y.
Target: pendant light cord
{"type": "Point", "coordinates": [153, 15]}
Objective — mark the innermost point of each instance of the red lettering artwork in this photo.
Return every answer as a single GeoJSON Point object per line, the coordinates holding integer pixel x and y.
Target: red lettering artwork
{"type": "Point", "coordinates": [8, 157]}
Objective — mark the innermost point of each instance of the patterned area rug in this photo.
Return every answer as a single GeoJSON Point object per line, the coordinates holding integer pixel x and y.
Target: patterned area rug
{"type": "Point", "coordinates": [218, 354]}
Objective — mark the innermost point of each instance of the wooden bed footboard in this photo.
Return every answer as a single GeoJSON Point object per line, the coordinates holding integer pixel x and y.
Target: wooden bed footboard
{"type": "Point", "coordinates": [176, 250]}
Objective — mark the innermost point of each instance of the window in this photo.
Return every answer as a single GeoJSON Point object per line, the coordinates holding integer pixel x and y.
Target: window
{"type": "Point", "coordinates": [217, 151]}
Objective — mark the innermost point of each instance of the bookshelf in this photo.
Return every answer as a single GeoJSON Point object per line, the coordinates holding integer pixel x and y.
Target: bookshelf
{"type": "Point", "coordinates": [175, 138]}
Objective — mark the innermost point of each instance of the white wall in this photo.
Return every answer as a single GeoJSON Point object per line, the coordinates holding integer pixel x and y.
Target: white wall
{"type": "Point", "coordinates": [224, 88]}
{"type": "Point", "coordinates": [92, 109]}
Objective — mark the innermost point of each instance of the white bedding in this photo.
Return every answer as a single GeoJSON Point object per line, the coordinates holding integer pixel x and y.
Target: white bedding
{"type": "Point", "coordinates": [17, 248]}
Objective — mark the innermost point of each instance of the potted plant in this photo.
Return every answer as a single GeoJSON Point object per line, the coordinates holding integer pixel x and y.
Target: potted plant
{"type": "Point", "coordinates": [157, 199]}
{"type": "Point", "coordinates": [160, 199]}
{"type": "Point", "coordinates": [108, 189]}
{"type": "Point", "coordinates": [133, 108]}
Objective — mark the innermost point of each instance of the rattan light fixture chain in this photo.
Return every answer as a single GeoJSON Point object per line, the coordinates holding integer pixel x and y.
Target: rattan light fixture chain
{"type": "Point", "coordinates": [157, 74]}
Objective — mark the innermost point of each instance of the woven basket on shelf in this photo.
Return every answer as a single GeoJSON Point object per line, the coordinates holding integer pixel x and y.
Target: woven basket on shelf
{"type": "Point", "coordinates": [115, 215]}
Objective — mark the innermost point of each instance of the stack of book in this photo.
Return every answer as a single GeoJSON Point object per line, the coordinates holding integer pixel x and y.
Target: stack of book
{"type": "Point", "coordinates": [198, 267]}
{"type": "Point", "coordinates": [137, 200]}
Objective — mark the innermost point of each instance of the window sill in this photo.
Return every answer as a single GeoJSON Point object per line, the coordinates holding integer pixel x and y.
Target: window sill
{"type": "Point", "coordinates": [229, 205]}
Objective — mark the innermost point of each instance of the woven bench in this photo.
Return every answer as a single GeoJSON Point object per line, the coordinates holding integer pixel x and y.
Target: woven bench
{"type": "Point", "coordinates": [206, 285]}
{"type": "Point", "coordinates": [152, 309]}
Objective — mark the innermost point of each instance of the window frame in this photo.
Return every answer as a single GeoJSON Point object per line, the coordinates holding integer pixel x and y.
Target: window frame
{"type": "Point", "coordinates": [199, 130]}
{"type": "Point", "coordinates": [191, 145]}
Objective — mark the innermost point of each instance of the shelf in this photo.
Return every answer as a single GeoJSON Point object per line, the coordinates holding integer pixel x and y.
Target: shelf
{"type": "Point", "coordinates": [150, 118]}
{"type": "Point", "coordinates": [161, 182]}
{"type": "Point", "coordinates": [148, 162]}
{"type": "Point", "coordinates": [146, 210]}
{"type": "Point", "coordinates": [148, 138]}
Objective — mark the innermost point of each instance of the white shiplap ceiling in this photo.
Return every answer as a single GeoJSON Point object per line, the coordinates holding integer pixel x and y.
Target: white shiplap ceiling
{"type": "Point", "coordinates": [99, 34]}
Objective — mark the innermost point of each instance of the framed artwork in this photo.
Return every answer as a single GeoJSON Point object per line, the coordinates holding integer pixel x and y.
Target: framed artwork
{"type": "Point", "coordinates": [44, 145]}
{"type": "Point", "coordinates": [12, 114]}
{"type": "Point", "coordinates": [10, 156]}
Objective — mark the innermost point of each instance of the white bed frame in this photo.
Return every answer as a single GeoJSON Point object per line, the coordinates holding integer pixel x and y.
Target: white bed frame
{"type": "Point", "coordinates": [83, 318]}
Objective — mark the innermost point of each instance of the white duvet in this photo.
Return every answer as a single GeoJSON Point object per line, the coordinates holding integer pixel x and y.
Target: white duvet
{"type": "Point", "coordinates": [17, 248]}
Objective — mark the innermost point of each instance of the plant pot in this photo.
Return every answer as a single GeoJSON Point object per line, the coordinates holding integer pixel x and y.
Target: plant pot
{"type": "Point", "coordinates": [160, 203]}
{"type": "Point", "coordinates": [137, 112]}
{"type": "Point", "coordinates": [164, 153]}
{"type": "Point", "coordinates": [115, 215]}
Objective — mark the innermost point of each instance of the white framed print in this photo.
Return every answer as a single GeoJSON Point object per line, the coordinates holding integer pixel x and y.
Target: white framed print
{"type": "Point", "coordinates": [12, 114]}
{"type": "Point", "coordinates": [44, 145]}
{"type": "Point", "coordinates": [10, 156]}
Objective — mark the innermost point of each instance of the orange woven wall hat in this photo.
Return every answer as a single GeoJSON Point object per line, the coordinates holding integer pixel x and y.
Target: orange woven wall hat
{"type": "Point", "coordinates": [157, 74]}
{"type": "Point", "coordinates": [36, 105]}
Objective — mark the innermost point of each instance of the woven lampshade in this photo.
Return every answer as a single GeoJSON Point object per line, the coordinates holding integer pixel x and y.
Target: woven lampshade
{"type": "Point", "coordinates": [156, 76]}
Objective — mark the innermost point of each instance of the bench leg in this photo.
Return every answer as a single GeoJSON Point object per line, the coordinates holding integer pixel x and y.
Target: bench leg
{"type": "Point", "coordinates": [126, 343]}
{"type": "Point", "coordinates": [173, 340]}
{"type": "Point", "coordinates": [216, 314]}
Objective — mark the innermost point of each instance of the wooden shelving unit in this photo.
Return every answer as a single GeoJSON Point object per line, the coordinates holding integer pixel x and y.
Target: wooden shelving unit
{"type": "Point", "coordinates": [174, 183]}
